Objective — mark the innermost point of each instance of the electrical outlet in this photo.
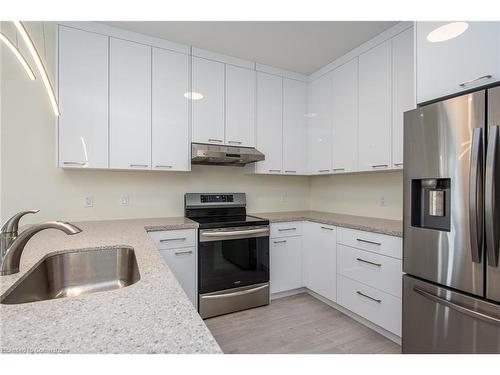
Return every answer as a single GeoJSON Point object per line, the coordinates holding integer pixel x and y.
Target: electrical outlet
{"type": "Point", "coordinates": [89, 201]}
{"type": "Point", "coordinates": [124, 200]}
{"type": "Point", "coordinates": [383, 202]}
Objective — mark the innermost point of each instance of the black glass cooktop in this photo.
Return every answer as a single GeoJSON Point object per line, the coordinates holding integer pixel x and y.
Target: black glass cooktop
{"type": "Point", "coordinates": [229, 221]}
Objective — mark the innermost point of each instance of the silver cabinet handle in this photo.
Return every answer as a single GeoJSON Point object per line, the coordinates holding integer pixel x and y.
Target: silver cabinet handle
{"type": "Point", "coordinates": [82, 163]}
{"type": "Point", "coordinates": [380, 166]}
{"type": "Point", "coordinates": [235, 294]}
{"type": "Point", "coordinates": [215, 140]}
{"type": "Point", "coordinates": [323, 170]}
{"type": "Point", "coordinates": [183, 252]}
{"type": "Point", "coordinates": [490, 191]}
{"type": "Point", "coordinates": [274, 170]}
{"type": "Point", "coordinates": [398, 164]}
{"type": "Point", "coordinates": [290, 171]}
{"type": "Point", "coordinates": [235, 142]}
{"type": "Point", "coordinates": [370, 242]}
{"type": "Point", "coordinates": [457, 307]}
{"type": "Point", "coordinates": [465, 83]}
{"type": "Point", "coordinates": [326, 228]}
{"type": "Point", "coordinates": [286, 229]}
{"type": "Point", "coordinates": [367, 296]}
{"type": "Point", "coordinates": [338, 169]}
{"type": "Point", "coordinates": [173, 239]}
{"type": "Point", "coordinates": [367, 261]}
{"type": "Point", "coordinates": [163, 166]}
{"type": "Point", "coordinates": [139, 165]}
{"type": "Point", "coordinates": [476, 195]}
{"type": "Point", "coordinates": [282, 241]}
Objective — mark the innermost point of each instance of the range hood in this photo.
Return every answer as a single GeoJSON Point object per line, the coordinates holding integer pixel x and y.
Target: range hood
{"type": "Point", "coordinates": [224, 155]}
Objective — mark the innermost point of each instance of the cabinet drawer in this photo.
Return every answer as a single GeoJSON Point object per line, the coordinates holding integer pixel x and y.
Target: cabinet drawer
{"type": "Point", "coordinates": [374, 242]}
{"type": "Point", "coordinates": [378, 307]}
{"type": "Point", "coordinates": [378, 271]}
{"type": "Point", "coordinates": [293, 228]}
{"type": "Point", "coordinates": [173, 239]}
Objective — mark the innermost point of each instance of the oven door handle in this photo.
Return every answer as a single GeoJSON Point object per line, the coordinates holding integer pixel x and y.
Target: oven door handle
{"type": "Point", "coordinates": [236, 294]}
{"type": "Point", "coordinates": [235, 232]}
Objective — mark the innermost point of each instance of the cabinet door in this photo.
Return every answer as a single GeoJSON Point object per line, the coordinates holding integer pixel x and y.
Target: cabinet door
{"type": "Point", "coordinates": [83, 99]}
{"type": "Point", "coordinates": [269, 123]}
{"type": "Point", "coordinates": [130, 105]}
{"type": "Point", "coordinates": [294, 127]}
{"type": "Point", "coordinates": [403, 90]}
{"type": "Point", "coordinates": [320, 125]}
{"type": "Point", "coordinates": [286, 264]}
{"type": "Point", "coordinates": [320, 259]}
{"type": "Point", "coordinates": [208, 112]}
{"type": "Point", "coordinates": [170, 111]}
{"type": "Point", "coordinates": [469, 60]}
{"type": "Point", "coordinates": [240, 106]}
{"type": "Point", "coordinates": [182, 262]}
{"type": "Point", "coordinates": [375, 113]}
{"type": "Point", "coordinates": [345, 117]}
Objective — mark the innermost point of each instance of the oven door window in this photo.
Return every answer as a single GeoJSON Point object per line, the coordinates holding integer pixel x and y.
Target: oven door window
{"type": "Point", "coordinates": [232, 263]}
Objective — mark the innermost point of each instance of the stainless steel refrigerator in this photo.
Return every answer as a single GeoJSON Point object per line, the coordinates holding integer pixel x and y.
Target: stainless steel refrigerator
{"type": "Point", "coordinates": [451, 290]}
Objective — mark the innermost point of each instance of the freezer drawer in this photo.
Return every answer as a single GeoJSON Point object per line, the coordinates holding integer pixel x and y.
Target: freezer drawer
{"type": "Point", "coordinates": [438, 320]}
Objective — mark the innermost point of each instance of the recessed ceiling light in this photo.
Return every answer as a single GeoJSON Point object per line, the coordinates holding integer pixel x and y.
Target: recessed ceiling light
{"type": "Point", "coordinates": [18, 55]}
{"type": "Point", "coordinates": [193, 95]}
{"type": "Point", "coordinates": [447, 32]}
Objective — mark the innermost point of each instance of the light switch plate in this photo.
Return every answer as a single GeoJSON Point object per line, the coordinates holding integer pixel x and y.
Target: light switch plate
{"type": "Point", "coordinates": [89, 201]}
{"type": "Point", "coordinates": [124, 199]}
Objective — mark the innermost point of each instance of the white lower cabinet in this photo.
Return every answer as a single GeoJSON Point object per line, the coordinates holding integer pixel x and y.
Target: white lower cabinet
{"type": "Point", "coordinates": [285, 263]}
{"type": "Point", "coordinates": [372, 304]}
{"type": "Point", "coordinates": [319, 259]}
{"type": "Point", "coordinates": [178, 249]}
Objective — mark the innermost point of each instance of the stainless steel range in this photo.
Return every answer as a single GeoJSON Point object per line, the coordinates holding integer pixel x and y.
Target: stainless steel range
{"type": "Point", "coordinates": [233, 253]}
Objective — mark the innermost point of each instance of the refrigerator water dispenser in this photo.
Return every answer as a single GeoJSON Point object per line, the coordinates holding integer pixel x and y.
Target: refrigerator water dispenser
{"type": "Point", "coordinates": [431, 203]}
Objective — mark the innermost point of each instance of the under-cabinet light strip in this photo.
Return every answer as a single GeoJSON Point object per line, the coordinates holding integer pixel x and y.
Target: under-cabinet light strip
{"type": "Point", "coordinates": [38, 62]}
{"type": "Point", "coordinates": [18, 55]}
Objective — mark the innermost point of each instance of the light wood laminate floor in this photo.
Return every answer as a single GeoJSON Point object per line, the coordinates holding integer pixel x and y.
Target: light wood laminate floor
{"type": "Point", "coordinates": [296, 324]}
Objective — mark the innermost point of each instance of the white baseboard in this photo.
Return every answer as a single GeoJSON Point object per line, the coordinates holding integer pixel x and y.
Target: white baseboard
{"type": "Point", "coordinates": [391, 336]}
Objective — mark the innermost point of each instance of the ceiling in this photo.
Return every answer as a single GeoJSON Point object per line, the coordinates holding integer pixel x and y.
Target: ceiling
{"type": "Point", "coordinates": [302, 47]}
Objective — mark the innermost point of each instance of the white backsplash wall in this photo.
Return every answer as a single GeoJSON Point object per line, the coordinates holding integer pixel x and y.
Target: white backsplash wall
{"type": "Point", "coordinates": [30, 178]}
{"type": "Point", "coordinates": [359, 194]}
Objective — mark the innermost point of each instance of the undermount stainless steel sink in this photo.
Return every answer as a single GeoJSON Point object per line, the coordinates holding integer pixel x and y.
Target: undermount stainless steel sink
{"type": "Point", "coordinates": [76, 273]}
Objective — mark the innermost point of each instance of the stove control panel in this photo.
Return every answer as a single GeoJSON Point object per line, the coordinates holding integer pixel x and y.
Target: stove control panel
{"type": "Point", "coordinates": [209, 198]}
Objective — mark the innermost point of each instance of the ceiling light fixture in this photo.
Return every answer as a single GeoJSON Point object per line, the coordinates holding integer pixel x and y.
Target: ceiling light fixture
{"type": "Point", "coordinates": [193, 95]}
{"type": "Point", "coordinates": [447, 32]}
{"type": "Point", "coordinates": [38, 62]}
{"type": "Point", "coordinates": [18, 55]}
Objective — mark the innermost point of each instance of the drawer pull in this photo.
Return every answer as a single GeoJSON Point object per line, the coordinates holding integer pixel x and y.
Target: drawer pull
{"type": "Point", "coordinates": [235, 142]}
{"type": "Point", "coordinates": [163, 166]}
{"type": "Point", "coordinates": [326, 228]}
{"type": "Point", "coordinates": [282, 241]}
{"type": "Point", "coordinates": [367, 261]}
{"type": "Point", "coordinates": [81, 163]}
{"type": "Point", "coordinates": [323, 170]}
{"type": "Point", "coordinates": [173, 239]}
{"type": "Point", "coordinates": [215, 140]}
{"type": "Point", "coordinates": [139, 165]}
{"type": "Point", "coordinates": [286, 229]}
{"type": "Point", "coordinates": [370, 242]}
{"type": "Point", "coordinates": [380, 166]}
{"type": "Point", "coordinates": [398, 164]}
{"type": "Point", "coordinates": [290, 171]}
{"type": "Point", "coordinates": [367, 296]}
{"type": "Point", "coordinates": [338, 169]}
{"type": "Point", "coordinates": [275, 170]}
{"type": "Point", "coordinates": [183, 252]}
{"type": "Point", "coordinates": [463, 84]}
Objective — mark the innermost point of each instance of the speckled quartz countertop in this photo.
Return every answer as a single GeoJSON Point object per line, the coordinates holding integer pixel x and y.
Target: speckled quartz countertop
{"type": "Point", "coordinates": [368, 224]}
{"type": "Point", "coordinates": [153, 315]}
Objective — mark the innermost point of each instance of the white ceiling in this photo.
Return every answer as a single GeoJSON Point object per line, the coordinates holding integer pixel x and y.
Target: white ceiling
{"type": "Point", "coordinates": [302, 47]}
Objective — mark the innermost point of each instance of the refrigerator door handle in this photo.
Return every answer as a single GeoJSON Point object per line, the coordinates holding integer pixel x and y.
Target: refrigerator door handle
{"type": "Point", "coordinates": [476, 195]}
{"type": "Point", "coordinates": [457, 307]}
{"type": "Point", "coordinates": [491, 216]}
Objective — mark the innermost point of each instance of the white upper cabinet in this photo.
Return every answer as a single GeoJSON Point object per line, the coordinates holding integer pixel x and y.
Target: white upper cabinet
{"type": "Point", "coordinates": [345, 117]}
{"type": "Point", "coordinates": [375, 114]}
{"type": "Point", "coordinates": [403, 90]}
{"type": "Point", "coordinates": [469, 60]}
{"type": "Point", "coordinates": [240, 106]}
{"type": "Point", "coordinates": [130, 105]}
{"type": "Point", "coordinates": [320, 125]}
{"type": "Point", "coordinates": [208, 112]}
{"type": "Point", "coordinates": [294, 127]}
{"type": "Point", "coordinates": [269, 123]}
{"type": "Point", "coordinates": [170, 111]}
{"type": "Point", "coordinates": [83, 99]}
